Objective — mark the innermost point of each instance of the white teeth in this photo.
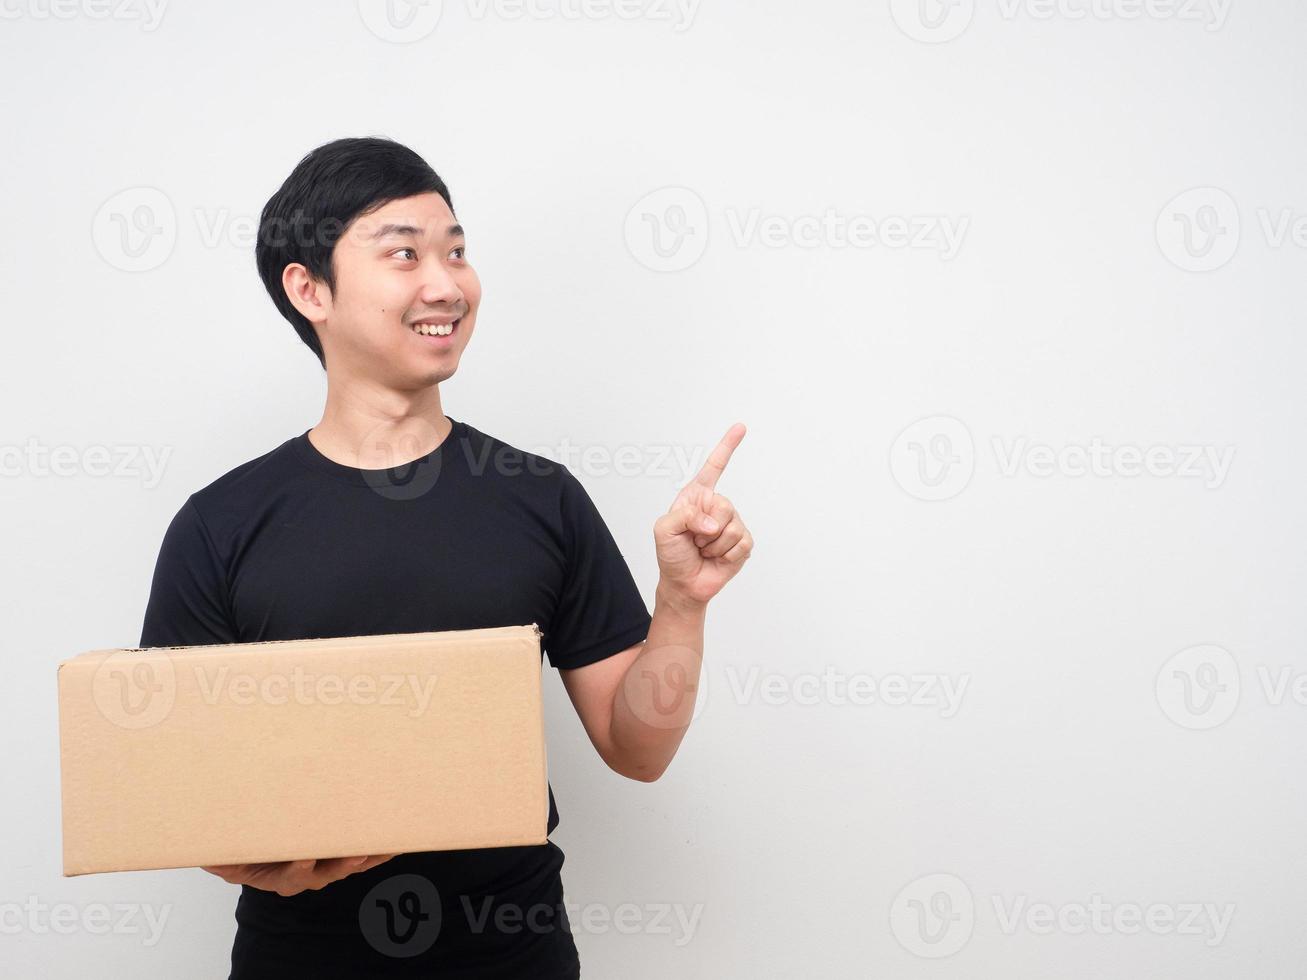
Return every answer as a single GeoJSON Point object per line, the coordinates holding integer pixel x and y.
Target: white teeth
{"type": "Point", "coordinates": [434, 329]}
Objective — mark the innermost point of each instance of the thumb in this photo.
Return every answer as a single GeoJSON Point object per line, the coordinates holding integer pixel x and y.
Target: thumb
{"type": "Point", "coordinates": [684, 519]}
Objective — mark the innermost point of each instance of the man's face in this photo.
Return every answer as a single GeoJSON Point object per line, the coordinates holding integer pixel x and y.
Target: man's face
{"type": "Point", "coordinates": [402, 281]}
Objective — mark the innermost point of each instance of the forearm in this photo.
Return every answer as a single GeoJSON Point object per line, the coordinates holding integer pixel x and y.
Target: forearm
{"type": "Point", "coordinates": [653, 705]}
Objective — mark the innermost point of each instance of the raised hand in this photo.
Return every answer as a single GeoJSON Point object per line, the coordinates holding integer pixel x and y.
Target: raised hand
{"type": "Point", "coordinates": [701, 541]}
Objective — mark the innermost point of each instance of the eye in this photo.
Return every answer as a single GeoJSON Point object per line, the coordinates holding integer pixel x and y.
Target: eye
{"type": "Point", "coordinates": [406, 249]}
{"type": "Point", "coordinates": [460, 252]}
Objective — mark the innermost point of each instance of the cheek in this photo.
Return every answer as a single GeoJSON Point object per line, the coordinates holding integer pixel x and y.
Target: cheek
{"type": "Point", "coordinates": [372, 299]}
{"type": "Point", "coordinates": [471, 287]}
{"type": "Point", "coordinates": [389, 307]}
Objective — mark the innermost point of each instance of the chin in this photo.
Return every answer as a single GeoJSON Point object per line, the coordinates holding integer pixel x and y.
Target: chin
{"type": "Point", "coordinates": [442, 373]}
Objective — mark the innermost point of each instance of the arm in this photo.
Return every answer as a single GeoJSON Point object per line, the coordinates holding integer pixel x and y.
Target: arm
{"type": "Point", "coordinates": [188, 607]}
{"type": "Point", "coordinates": [636, 705]}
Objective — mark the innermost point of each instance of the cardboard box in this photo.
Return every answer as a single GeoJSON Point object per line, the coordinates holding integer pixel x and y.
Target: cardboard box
{"type": "Point", "coordinates": [179, 757]}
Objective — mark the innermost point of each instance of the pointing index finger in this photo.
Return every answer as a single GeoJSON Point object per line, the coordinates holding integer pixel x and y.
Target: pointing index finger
{"type": "Point", "coordinates": [720, 456]}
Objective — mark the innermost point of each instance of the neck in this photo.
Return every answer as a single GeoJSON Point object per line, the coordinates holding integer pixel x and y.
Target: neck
{"type": "Point", "coordinates": [370, 426]}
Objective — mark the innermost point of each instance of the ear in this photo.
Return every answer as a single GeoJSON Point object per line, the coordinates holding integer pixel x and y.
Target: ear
{"type": "Point", "coordinates": [311, 297]}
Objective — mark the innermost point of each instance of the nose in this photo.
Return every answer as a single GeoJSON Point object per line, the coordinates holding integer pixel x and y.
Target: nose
{"type": "Point", "coordinates": [439, 287]}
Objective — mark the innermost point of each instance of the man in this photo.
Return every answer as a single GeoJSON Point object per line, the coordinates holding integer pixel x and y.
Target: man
{"type": "Point", "coordinates": [389, 516]}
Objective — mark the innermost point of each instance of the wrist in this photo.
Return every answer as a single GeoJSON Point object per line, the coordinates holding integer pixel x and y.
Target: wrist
{"type": "Point", "coordinates": [667, 597]}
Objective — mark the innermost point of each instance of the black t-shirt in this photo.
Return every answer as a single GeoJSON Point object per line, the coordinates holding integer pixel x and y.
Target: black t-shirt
{"type": "Point", "coordinates": [293, 545]}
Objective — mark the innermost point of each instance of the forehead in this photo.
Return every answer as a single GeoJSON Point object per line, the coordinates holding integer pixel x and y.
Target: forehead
{"type": "Point", "coordinates": [424, 216]}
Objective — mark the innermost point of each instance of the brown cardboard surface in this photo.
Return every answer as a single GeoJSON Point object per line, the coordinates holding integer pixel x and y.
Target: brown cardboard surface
{"type": "Point", "coordinates": [178, 757]}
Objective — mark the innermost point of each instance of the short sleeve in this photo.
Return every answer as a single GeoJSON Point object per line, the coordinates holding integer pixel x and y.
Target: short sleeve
{"type": "Point", "coordinates": [600, 611]}
{"type": "Point", "coordinates": [188, 602]}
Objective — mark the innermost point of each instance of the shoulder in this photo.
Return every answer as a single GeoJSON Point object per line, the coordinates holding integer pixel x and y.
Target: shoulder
{"type": "Point", "coordinates": [488, 454]}
{"type": "Point", "coordinates": [249, 483]}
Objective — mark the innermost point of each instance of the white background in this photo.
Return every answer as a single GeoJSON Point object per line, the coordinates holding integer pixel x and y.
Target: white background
{"type": "Point", "coordinates": [821, 838]}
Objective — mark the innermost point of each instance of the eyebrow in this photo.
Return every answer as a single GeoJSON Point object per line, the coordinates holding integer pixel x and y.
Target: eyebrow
{"type": "Point", "coordinates": [385, 231]}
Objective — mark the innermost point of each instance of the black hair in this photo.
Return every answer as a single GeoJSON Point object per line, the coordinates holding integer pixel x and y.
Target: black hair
{"type": "Point", "coordinates": [328, 189]}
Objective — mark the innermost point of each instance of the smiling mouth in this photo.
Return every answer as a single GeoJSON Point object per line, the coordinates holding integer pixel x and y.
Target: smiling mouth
{"type": "Point", "coordinates": [434, 329]}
